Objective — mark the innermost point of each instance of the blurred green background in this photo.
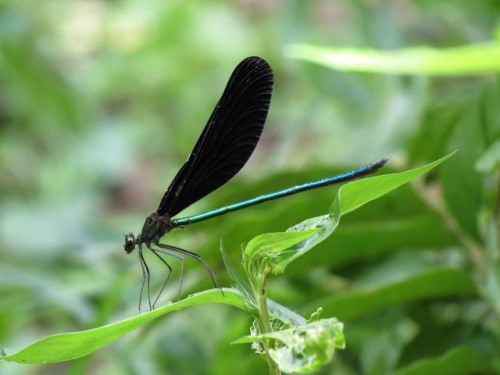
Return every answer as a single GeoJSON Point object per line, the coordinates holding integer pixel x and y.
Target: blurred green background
{"type": "Point", "coordinates": [101, 103]}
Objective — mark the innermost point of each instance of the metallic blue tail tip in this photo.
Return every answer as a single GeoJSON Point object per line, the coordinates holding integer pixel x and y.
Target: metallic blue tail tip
{"type": "Point", "coordinates": [379, 164]}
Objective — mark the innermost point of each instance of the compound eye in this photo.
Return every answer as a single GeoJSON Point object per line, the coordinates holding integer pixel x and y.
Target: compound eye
{"type": "Point", "coordinates": [129, 245]}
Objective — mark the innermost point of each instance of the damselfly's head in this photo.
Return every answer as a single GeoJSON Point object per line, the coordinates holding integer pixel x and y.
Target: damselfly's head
{"type": "Point", "coordinates": [130, 243]}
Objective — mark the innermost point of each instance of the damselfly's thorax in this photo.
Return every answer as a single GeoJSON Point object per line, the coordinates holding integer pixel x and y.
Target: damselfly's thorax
{"type": "Point", "coordinates": [154, 228]}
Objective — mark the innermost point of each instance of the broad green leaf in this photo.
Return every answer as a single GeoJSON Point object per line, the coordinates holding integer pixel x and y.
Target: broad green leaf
{"type": "Point", "coordinates": [471, 59]}
{"type": "Point", "coordinates": [68, 346]}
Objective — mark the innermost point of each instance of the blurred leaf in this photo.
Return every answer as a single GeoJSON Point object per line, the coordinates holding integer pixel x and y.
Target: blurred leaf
{"type": "Point", "coordinates": [433, 135]}
{"type": "Point", "coordinates": [473, 59]}
{"type": "Point", "coordinates": [463, 190]}
{"type": "Point", "coordinates": [382, 349]}
{"type": "Point", "coordinates": [457, 361]}
{"type": "Point", "coordinates": [365, 242]}
{"type": "Point", "coordinates": [489, 162]}
{"type": "Point", "coordinates": [434, 283]}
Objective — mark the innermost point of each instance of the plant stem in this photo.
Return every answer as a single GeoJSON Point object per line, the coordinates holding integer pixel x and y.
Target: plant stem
{"type": "Point", "coordinates": [264, 321]}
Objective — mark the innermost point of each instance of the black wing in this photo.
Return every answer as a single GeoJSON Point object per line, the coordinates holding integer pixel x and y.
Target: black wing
{"type": "Point", "coordinates": [228, 139]}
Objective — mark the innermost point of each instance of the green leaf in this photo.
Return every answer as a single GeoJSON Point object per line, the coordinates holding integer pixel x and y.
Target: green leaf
{"type": "Point", "coordinates": [239, 281]}
{"type": "Point", "coordinates": [323, 226]}
{"type": "Point", "coordinates": [284, 314]}
{"type": "Point", "coordinates": [304, 348]}
{"type": "Point", "coordinates": [357, 193]}
{"type": "Point", "coordinates": [269, 244]}
{"type": "Point", "coordinates": [472, 59]}
{"type": "Point", "coordinates": [68, 346]}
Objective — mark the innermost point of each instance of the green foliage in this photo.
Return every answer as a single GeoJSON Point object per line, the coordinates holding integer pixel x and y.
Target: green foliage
{"type": "Point", "coordinates": [302, 348]}
{"type": "Point", "coordinates": [101, 101]}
